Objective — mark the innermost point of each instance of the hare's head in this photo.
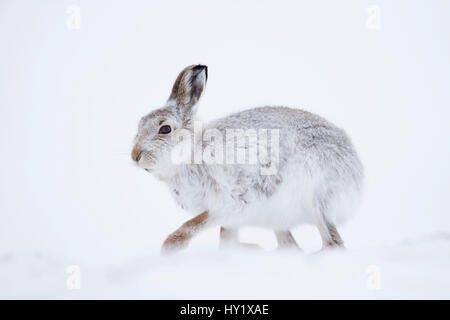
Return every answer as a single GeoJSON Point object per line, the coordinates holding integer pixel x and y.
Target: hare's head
{"type": "Point", "coordinates": [154, 140]}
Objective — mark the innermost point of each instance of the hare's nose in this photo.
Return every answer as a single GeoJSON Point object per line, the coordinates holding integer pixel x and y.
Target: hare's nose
{"type": "Point", "coordinates": [138, 157]}
{"type": "Point", "coordinates": [136, 154]}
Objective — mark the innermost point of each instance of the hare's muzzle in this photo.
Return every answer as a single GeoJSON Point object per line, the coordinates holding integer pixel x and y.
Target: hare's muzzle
{"type": "Point", "coordinates": [136, 154]}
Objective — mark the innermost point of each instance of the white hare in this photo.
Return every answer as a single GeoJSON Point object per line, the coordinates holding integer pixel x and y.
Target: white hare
{"type": "Point", "coordinates": [315, 175]}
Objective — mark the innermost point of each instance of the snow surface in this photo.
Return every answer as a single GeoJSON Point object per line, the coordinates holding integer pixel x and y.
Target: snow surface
{"type": "Point", "coordinates": [410, 270]}
{"type": "Point", "coordinates": [70, 101]}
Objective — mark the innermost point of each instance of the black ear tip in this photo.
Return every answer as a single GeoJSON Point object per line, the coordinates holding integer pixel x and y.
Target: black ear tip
{"type": "Point", "coordinates": [201, 67]}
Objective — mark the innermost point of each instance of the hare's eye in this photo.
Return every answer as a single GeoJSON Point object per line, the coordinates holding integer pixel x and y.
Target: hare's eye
{"type": "Point", "coordinates": [165, 129]}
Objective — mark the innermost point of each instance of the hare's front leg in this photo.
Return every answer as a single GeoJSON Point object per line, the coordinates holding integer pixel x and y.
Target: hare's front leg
{"type": "Point", "coordinates": [286, 240]}
{"type": "Point", "coordinates": [180, 238]}
{"type": "Point", "coordinates": [229, 238]}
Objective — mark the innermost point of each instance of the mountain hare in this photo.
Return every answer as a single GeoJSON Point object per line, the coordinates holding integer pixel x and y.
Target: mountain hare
{"type": "Point", "coordinates": [272, 167]}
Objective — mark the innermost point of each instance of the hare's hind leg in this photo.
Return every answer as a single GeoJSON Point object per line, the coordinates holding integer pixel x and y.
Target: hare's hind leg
{"type": "Point", "coordinates": [229, 238]}
{"type": "Point", "coordinates": [336, 240]}
{"type": "Point", "coordinates": [330, 235]}
{"type": "Point", "coordinates": [286, 240]}
{"type": "Point", "coordinates": [327, 229]}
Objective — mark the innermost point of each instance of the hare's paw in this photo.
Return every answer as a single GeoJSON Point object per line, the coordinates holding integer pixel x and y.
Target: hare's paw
{"type": "Point", "coordinates": [333, 245]}
{"type": "Point", "coordinates": [289, 248]}
{"type": "Point", "coordinates": [241, 246]}
{"type": "Point", "coordinates": [175, 242]}
{"type": "Point", "coordinates": [250, 246]}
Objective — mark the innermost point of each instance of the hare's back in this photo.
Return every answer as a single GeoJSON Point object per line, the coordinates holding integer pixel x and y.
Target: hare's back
{"type": "Point", "coordinates": [269, 117]}
{"type": "Point", "coordinates": [298, 128]}
{"type": "Point", "coordinates": [305, 139]}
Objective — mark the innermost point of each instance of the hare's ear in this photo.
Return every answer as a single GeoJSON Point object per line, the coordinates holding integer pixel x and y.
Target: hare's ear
{"type": "Point", "coordinates": [189, 86]}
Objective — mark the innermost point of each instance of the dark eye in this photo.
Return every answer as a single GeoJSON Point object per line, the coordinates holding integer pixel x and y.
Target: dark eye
{"type": "Point", "coordinates": [165, 129]}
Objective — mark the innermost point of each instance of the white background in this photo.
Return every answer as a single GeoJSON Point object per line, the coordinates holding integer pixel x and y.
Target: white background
{"type": "Point", "coordinates": [70, 101]}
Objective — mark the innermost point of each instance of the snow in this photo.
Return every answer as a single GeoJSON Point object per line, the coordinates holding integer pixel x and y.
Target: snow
{"type": "Point", "coordinates": [410, 270]}
{"type": "Point", "coordinates": [70, 101]}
